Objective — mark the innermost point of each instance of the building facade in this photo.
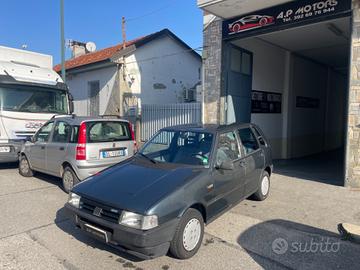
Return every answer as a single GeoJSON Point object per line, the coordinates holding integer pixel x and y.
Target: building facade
{"type": "Point", "coordinates": [292, 67]}
{"type": "Point", "coordinates": [155, 69]}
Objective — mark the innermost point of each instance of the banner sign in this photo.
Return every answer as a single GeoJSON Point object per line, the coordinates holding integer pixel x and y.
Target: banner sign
{"type": "Point", "coordinates": [287, 15]}
{"type": "Point", "coordinates": [265, 102]}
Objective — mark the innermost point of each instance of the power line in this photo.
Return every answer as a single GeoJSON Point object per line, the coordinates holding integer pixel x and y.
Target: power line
{"type": "Point", "coordinates": [171, 2]}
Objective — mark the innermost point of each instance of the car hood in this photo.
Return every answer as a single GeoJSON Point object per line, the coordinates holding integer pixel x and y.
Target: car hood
{"type": "Point", "coordinates": [134, 185]}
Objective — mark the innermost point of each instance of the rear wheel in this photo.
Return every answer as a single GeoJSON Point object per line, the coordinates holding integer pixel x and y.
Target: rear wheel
{"type": "Point", "coordinates": [188, 235]}
{"type": "Point", "coordinates": [24, 167]}
{"type": "Point", "coordinates": [69, 179]}
{"type": "Point", "coordinates": [263, 21]}
{"type": "Point", "coordinates": [264, 187]}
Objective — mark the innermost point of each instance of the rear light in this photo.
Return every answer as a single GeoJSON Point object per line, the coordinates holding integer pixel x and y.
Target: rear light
{"type": "Point", "coordinates": [81, 146]}
{"type": "Point", "coordinates": [133, 137]}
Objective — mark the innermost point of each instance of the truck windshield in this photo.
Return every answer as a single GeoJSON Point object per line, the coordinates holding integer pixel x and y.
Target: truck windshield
{"type": "Point", "coordinates": [33, 99]}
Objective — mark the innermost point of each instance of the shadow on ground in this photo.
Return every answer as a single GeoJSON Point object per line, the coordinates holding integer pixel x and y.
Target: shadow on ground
{"type": "Point", "coordinates": [56, 181]}
{"type": "Point", "coordinates": [298, 246]}
{"type": "Point", "coordinates": [13, 165]}
{"type": "Point", "coordinates": [64, 221]}
{"type": "Point", "coordinates": [327, 167]}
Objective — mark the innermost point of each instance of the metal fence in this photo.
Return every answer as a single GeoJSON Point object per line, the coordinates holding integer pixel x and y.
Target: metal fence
{"type": "Point", "coordinates": [155, 117]}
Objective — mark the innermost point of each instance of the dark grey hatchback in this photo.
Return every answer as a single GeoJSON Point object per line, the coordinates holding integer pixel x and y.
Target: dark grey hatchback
{"type": "Point", "coordinates": [184, 177]}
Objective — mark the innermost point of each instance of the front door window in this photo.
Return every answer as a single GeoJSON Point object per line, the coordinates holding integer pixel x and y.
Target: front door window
{"type": "Point", "coordinates": [228, 148]}
{"type": "Point", "coordinates": [44, 133]}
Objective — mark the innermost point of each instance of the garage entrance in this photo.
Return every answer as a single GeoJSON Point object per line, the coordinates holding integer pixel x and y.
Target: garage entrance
{"type": "Point", "coordinates": [293, 83]}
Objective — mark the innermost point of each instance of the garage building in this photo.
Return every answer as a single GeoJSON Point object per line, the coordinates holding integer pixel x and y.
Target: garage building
{"type": "Point", "coordinates": [293, 68]}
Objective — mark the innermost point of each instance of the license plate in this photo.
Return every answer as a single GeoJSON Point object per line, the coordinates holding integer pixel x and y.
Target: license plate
{"type": "Point", "coordinates": [116, 153]}
{"type": "Point", "coordinates": [4, 149]}
{"type": "Point", "coordinates": [96, 232]}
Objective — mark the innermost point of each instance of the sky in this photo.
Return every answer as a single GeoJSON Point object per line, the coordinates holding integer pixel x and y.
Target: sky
{"type": "Point", "coordinates": [36, 23]}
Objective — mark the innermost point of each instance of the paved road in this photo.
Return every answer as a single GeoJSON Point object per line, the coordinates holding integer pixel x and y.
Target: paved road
{"type": "Point", "coordinates": [35, 232]}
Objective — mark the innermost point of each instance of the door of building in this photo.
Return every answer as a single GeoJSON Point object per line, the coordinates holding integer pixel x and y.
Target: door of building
{"type": "Point", "coordinates": [238, 84]}
{"type": "Point", "coordinates": [94, 99]}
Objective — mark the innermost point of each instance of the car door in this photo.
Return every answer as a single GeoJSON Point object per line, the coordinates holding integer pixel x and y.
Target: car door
{"type": "Point", "coordinates": [56, 148]}
{"type": "Point", "coordinates": [254, 159]}
{"type": "Point", "coordinates": [37, 151]}
{"type": "Point", "coordinates": [228, 184]}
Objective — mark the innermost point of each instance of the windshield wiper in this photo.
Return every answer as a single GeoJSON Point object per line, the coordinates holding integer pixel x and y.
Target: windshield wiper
{"type": "Point", "coordinates": [148, 158]}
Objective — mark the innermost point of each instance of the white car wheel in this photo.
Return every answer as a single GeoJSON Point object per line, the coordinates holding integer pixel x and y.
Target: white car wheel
{"type": "Point", "coordinates": [265, 184]}
{"type": "Point", "coordinates": [191, 235]}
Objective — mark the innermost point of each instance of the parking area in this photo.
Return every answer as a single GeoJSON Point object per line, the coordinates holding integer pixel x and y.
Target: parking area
{"type": "Point", "coordinates": [296, 227]}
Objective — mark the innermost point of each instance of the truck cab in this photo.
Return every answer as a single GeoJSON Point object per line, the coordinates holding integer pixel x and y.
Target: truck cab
{"type": "Point", "coordinates": [30, 94]}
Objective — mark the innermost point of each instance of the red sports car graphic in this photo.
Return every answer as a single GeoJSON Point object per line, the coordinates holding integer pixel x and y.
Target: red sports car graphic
{"type": "Point", "coordinates": [250, 22]}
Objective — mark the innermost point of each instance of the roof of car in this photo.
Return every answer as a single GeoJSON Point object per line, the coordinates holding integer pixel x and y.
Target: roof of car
{"type": "Point", "coordinates": [77, 120]}
{"type": "Point", "coordinates": [212, 128]}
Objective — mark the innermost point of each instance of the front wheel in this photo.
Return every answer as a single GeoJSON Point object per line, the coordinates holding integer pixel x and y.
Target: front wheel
{"type": "Point", "coordinates": [264, 187]}
{"type": "Point", "coordinates": [24, 167]}
{"type": "Point", "coordinates": [188, 235]}
{"type": "Point", "coordinates": [69, 179]}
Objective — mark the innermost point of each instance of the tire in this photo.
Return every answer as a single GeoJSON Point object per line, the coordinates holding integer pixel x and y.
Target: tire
{"type": "Point", "coordinates": [69, 179]}
{"type": "Point", "coordinates": [24, 167]}
{"type": "Point", "coordinates": [191, 224]}
{"type": "Point", "coordinates": [236, 28]}
{"type": "Point", "coordinates": [263, 21]}
{"type": "Point", "coordinates": [264, 188]}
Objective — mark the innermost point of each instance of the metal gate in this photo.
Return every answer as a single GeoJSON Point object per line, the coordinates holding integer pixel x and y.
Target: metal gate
{"type": "Point", "coordinates": [157, 116]}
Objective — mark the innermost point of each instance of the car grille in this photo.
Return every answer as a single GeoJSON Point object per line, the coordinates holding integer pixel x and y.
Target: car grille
{"type": "Point", "coordinates": [107, 213]}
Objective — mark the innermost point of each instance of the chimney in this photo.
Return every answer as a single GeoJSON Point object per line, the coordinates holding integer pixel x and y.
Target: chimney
{"type": "Point", "coordinates": [77, 48]}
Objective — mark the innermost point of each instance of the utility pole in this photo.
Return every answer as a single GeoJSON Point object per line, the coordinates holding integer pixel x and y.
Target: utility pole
{"type": "Point", "coordinates": [63, 75]}
{"type": "Point", "coordinates": [123, 30]}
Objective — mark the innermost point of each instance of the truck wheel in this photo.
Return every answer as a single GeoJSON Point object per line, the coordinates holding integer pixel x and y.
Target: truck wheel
{"type": "Point", "coordinates": [69, 179]}
{"type": "Point", "coordinates": [24, 167]}
{"type": "Point", "coordinates": [264, 188]}
{"type": "Point", "coordinates": [188, 235]}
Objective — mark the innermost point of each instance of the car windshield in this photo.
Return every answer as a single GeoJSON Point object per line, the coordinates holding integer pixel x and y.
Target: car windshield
{"type": "Point", "coordinates": [33, 99]}
{"type": "Point", "coordinates": [182, 147]}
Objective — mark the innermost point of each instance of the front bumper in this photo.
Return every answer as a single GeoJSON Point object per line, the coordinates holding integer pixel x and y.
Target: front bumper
{"type": "Point", "coordinates": [143, 244]}
{"type": "Point", "coordinates": [13, 155]}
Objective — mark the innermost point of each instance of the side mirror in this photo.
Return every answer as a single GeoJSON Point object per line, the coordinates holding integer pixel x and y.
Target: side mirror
{"type": "Point", "coordinates": [227, 165]}
{"type": "Point", "coordinates": [71, 106]}
{"type": "Point", "coordinates": [71, 103]}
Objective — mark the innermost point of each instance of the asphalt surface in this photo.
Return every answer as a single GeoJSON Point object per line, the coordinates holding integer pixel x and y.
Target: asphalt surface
{"type": "Point", "coordinates": [295, 228]}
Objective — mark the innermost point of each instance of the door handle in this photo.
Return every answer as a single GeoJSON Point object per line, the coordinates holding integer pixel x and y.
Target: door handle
{"type": "Point", "coordinates": [42, 147]}
{"type": "Point", "coordinates": [242, 163]}
{"type": "Point", "coordinates": [62, 148]}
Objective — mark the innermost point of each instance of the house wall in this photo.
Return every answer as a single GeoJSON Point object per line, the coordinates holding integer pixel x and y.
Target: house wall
{"type": "Point", "coordinates": [78, 84]}
{"type": "Point", "coordinates": [159, 71]}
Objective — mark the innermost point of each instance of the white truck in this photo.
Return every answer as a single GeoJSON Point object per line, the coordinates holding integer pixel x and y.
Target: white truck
{"type": "Point", "coordinates": [31, 93]}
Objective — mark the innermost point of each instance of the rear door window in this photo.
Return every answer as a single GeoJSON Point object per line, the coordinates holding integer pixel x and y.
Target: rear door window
{"type": "Point", "coordinates": [108, 131]}
{"type": "Point", "coordinates": [62, 133]}
{"type": "Point", "coordinates": [248, 140]}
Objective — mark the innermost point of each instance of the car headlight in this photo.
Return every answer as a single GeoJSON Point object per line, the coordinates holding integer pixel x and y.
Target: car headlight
{"type": "Point", "coordinates": [138, 221]}
{"type": "Point", "coordinates": [74, 199]}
